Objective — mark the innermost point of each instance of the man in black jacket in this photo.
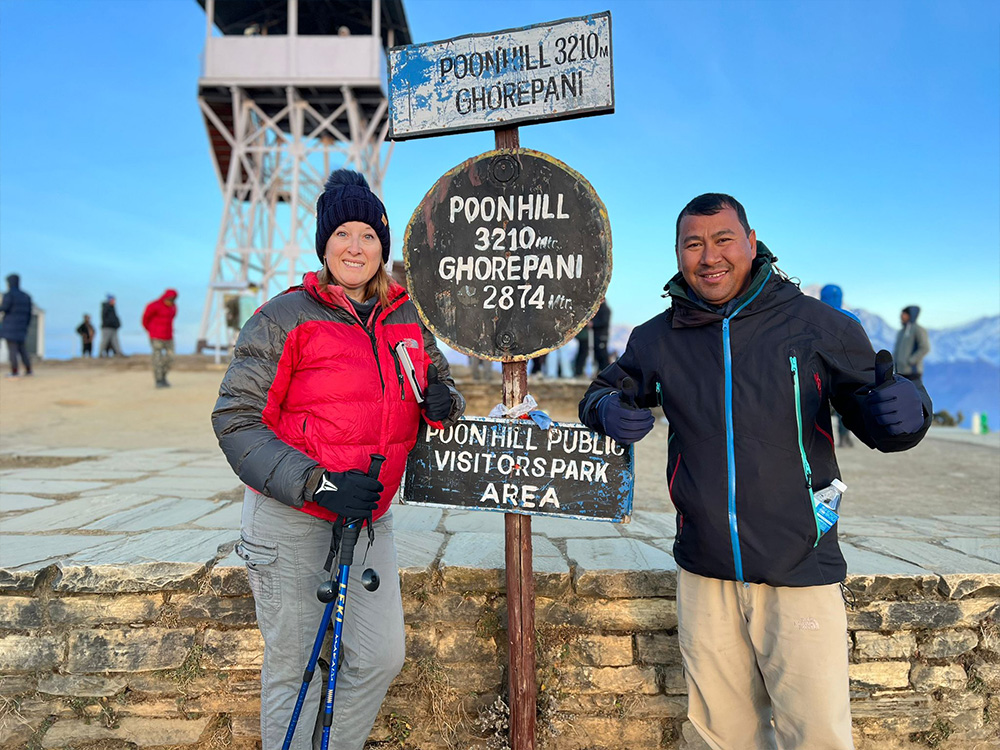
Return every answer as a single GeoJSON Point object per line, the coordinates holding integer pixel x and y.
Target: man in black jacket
{"type": "Point", "coordinates": [16, 317]}
{"type": "Point", "coordinates": [745, 368]}
{"type": "Point", "coordinates": [109, 329]}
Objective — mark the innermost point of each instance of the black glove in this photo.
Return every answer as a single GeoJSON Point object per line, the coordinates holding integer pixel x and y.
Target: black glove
{"type": "Point", "coordinates": [437, 397]}
{"type": "Point", "coordinates": [622, 420]}
{"type": "Point", "coordinates": [894, 406]}
{"type": "Point", "coordinates": [349, 494]}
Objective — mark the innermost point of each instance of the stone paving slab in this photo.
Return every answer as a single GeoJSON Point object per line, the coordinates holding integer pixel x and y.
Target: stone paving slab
{"type": "Point", "coordinates": [63, 452]}
{"type": "Point", "coordinates": [48, 486]}
{"type": "Point", "coordinates": [988, 549]}
{"type": "Point", "coordinates": [203, 488]}
{"type": "Point", "coordinates": [982, 524]}
{"type": "Point", "coordinates": [565, 528]}
{"type": "Point", "coordinates": [227, 517]}
{"type": "Point", "coordinates": [932, 527]}
{"type": "Point", "coordinates": [140, 465]}
{"type": "Point", "coordinates": [594, 555]}
{"type": "Point", "coordinates": [187, 471]}
{"type": "Point", "coordinates": [928, 556]}
{"type": "Point", "coordinates": [621, 568]}
{"type": "Point", "coordinates": [164, 513]}
{"type": "Point", "coordinates": [459, 521]}
{"type": "Point", "coordinates": [116, 476]}
{"type": "Point", "coordinates": [486, 551]}
{"type": "Point", "coordinates": [865, 562]}
{"type": "Point", "coordinates": [646, 523]}
{"type": "Point", "coordinates": [20, 550]}
{"type": "Point", "coordinates": [165, 545]}
{"type": "Point", "coordinates": [417, 550]}
{"type": "Point", "coordinates": [232, 560]}
{"type": "Point", "coordinates": [11, 503]}
{"type": "Point", "coordinates": [156, 560]}
{"type": "Point", "coordinates": [73, 514]}
{"type": "Point", "coordinates": [414, 518]}
{"type": "Point", "coordinates": [868, 526]}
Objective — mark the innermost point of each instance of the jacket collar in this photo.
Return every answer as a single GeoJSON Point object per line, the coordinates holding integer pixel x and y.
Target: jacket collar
{"type": "Point", "coordinates": [766, 290]}
{"type": "Point", "coordinates": [335, 296]}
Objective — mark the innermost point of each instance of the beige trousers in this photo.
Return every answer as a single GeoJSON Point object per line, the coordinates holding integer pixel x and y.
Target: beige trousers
{"type": "Point", "coordinates": [766, 667]}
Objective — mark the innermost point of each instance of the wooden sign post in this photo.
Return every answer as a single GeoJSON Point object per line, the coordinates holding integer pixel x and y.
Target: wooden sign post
{"type": "Point", "coordinates": [509, 254]}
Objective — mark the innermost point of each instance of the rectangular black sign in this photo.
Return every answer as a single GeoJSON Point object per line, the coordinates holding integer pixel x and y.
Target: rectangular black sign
{"type": "Point", "coordinates": [514, 466]}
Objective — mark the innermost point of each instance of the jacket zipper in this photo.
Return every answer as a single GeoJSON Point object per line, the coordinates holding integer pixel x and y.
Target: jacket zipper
{"type": "Point", "coordinates": [734, 532]}
{"type": "Point", "coordinates": [806, 468]}
{"type": "Point", "coordinates": [378, 364]}
{"type": "Point", "coordinates": [727, 358]}
{"type": "Point", "coordinates": [399, 373]}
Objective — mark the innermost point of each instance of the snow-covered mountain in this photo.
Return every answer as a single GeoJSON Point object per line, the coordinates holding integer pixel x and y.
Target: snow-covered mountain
{"type": "Point", "coordinates": [978, 341]}
{"type": "Point", "coordinates": [881, 334]}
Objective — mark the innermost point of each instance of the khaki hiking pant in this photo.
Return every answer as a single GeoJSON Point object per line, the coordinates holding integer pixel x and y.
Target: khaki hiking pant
{"type": "Point", "coordinates": [766, 666]}
{"type": "Point", "coordinates": [284, 550]}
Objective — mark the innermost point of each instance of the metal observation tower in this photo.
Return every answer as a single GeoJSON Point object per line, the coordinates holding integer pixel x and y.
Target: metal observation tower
{"type": "Point", "coordinates": [290, 90]}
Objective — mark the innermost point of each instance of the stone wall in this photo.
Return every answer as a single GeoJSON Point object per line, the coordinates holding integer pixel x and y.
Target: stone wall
{"type": "Point", "coordinates": [127, 658]}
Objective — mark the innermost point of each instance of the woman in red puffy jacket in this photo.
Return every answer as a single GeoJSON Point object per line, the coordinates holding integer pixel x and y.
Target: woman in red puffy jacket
{"type": "Point", "coordinates": [317, 385]}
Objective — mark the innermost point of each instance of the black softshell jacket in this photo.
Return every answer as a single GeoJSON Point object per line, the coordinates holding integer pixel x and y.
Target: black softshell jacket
{"type": "Point", "coordinates": [748, 400]}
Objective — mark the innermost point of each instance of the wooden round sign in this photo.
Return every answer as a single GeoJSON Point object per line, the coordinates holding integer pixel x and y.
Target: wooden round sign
{"type": "Point", "coordinates": [508, 255]}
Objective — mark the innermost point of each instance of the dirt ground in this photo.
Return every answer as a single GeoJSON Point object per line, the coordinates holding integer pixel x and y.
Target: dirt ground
{"type": "Point", "coordinates": [113, 404]}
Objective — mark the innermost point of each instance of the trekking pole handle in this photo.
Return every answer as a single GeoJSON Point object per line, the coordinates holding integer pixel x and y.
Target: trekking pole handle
{"type": "Point", "coordinates": [352, 526]}
{"type": "Point", "coordinates": [375, 467]}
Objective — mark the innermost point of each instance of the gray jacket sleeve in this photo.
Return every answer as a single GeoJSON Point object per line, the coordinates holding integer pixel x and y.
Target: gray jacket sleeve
{"type": "Point", "coordinates": [258, 457]}
{"type": "Point", "coordinates": [921, 349]}
{"type": "Point", "coordinates": [444, 374]}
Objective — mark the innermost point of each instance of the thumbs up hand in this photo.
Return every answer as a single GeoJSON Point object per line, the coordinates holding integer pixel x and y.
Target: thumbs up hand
{"type": "Point", "coordinates": [437, 397]}
{"type": "Point", "coordinates": [622, 420]}
{"type": "Point", "coordinates": [893, 406]}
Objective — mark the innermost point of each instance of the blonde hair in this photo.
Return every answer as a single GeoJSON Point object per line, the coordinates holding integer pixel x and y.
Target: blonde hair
{"type": "Point", "coordinates": [377, 286]}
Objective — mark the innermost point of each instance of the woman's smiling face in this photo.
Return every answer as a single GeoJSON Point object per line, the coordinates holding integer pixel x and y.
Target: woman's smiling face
{"type": "Point", "coordinates": [353, 255]}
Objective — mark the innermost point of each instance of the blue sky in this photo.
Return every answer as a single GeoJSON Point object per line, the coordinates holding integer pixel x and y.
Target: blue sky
{"type": "Point", "coordinates": [862, 137]}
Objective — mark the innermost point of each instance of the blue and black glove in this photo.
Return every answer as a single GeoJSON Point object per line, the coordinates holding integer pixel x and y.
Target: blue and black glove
{"type": "Point", "coordinates": [349, 494]}
{"type": "Point", "coordinates": [621, 419]}
{"type": "Point", "coordinates": [894, 406]}
{"type": "Point", "coordinates": [437, 397]}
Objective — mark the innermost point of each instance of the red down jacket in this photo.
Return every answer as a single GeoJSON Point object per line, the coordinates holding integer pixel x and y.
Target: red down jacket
{"type": "Point", "coordinates": [158, 317]}
{"type": "Point", "coordinates": [313, 387]}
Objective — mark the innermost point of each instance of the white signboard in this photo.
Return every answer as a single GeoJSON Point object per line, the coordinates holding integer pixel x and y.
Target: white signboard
{"type": "Point", "coordinates": [548, 71]}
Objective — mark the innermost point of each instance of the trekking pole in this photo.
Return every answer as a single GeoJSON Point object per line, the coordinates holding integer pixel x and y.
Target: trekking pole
{"type": "Point", "coordinates": [325, 593]}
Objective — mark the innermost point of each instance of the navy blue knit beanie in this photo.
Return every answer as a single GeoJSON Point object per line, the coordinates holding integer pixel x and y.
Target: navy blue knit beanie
{"type": "Point", "coordinates": [347, 197]}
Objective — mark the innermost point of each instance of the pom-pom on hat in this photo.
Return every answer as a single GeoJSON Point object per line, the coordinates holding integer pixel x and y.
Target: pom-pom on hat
{"type": "Point", "coordinates": [347, 197]}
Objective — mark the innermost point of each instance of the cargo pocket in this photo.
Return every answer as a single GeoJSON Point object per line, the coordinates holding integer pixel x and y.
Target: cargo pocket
{"type": "Point", "coordinates": [259, 558]}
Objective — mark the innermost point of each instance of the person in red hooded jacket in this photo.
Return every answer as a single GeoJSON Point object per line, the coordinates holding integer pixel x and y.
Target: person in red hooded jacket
{"type": "Point", "coordinates": [317, 384]}
{"type": "Point", "coordinates": [158, 320]}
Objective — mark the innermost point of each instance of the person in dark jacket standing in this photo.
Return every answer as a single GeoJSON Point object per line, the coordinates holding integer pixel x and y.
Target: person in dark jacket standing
{"type": "Point", "coordinates": [596, 332]}
{"type": "Point", "coordinates": [158, 320]}
{"type": "Point", "coordinates": [324, 376]}
{"type": "Point", "coordinates": [912, 345]}
{"type": "Point", "coordinates": [86, 331]}
{"type": "Point", "coordinates": [745, 368]}
{"type": "Point", "coordinates": [109, 329]}
{"type": "Point", "coordinates": [601, 325]}
{"type": "Point", "coordinates": [833, 295]}
{"type": "Point", "coordinates": [16, 310]}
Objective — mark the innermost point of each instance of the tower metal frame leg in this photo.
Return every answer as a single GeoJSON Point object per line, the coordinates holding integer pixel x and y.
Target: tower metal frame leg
{"type": "Point", "coordinates": [277, 168]}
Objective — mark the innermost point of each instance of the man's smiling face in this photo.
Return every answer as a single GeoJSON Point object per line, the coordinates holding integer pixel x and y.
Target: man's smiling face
{"type": "Point", "coordinates": [714, 254]}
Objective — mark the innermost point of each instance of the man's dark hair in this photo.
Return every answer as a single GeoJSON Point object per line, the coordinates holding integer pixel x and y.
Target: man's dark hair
{"type": "Point", "coordinates": [709, 204]}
